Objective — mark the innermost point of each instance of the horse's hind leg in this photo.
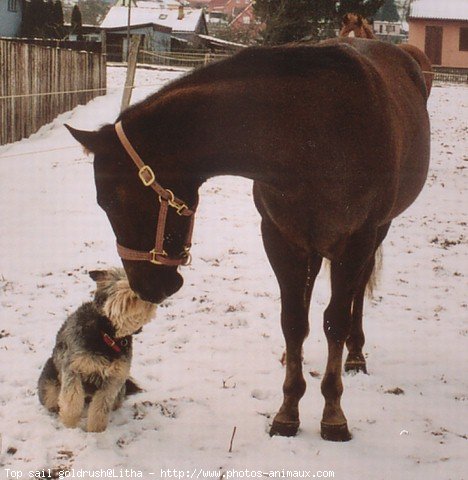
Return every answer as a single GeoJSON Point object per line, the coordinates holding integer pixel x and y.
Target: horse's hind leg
{"type": "Point", "coordinates": [355, 361]}
{"type": "Point", "coordinates": [295, 274]}
{"type": "Point", "coordinates": [346, 276]}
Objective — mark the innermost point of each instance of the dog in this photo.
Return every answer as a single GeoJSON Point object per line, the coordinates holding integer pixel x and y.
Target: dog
{"type": "Point", "coordinates": [92, 354]}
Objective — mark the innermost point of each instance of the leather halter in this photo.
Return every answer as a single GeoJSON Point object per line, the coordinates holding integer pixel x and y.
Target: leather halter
{"type": "Point", "coordinates": [157, 255]}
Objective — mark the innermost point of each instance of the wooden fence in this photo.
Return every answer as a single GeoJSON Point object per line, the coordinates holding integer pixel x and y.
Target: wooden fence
{"type": "Point", "coordinates": [38, 83]}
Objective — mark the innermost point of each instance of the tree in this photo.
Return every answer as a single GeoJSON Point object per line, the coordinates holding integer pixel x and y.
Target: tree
{"type": "Point", "coordinates": [93, 11]}
{"type": "Point", "coordinates": [42, 20]}
{"type": "Point", "coordinates": [37, 18]}
{"type": "Point", "coordinates": [365, 8]}
{"type": "Point", "coordinates": [76, 22]}
{"type": "Point", "coordinates": [388, 12]}
{"type": "Point", "coordinates": [47, 28]}
{"type": "Point", "coordinates": [285, 20]}
{"type": "Point", "coordinates": [27, 23]}
{"type": "Point", "coordinates": [291, 20]}
{"type": "Point", "coordinates": [57, 15]}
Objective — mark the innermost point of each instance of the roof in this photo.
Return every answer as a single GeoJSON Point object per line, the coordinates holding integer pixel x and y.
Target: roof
{"type": "Point", "coordinates": [439, 10]}
{"type": "Point", "coordinates": [221, 43]}
{"type": "Point", "coordinates": [151, 12]}
{"type": "Point", "coordinates": [247, 9]}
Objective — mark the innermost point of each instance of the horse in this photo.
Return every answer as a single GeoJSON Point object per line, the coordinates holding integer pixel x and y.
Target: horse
{"type": "Point", "coordinates": [353, 22]}
{"type": "Point", "coordinates": [336, 140]}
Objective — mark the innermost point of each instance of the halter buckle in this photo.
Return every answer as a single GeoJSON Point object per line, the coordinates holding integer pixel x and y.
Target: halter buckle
{"type": "Point", "coordinates": [146, 170]}
{"type": "Point", "coordinates": [155, 254]}
{"type": "Point", "coordinates": [179, 207]}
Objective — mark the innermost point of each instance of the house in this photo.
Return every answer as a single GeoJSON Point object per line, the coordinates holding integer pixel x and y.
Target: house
{"type": "Point", "coordinates": [385, 29]}
{"type": "Point", "coordinates": [11, 13]}
{"type": "Point", "coordinates": [244, 18]}
{"type": "Point", "coordinates": [161, 24]}
{"type": "Point", "coordinates": [89, 33]}
{"type": "Point", "coordinates": [234, 20]}
{"type": "Point", "coordinates": [440, 28]}
{"type": "Point", "coordinates": [228, 8]}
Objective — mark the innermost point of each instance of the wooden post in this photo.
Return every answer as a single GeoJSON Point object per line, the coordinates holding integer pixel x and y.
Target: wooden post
{"type": "Point", "coordinates": [131, 68]}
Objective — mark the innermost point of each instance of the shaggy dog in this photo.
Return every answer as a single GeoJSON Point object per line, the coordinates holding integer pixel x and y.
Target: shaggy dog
{"type": "Point", "coordinates": [92, 354]}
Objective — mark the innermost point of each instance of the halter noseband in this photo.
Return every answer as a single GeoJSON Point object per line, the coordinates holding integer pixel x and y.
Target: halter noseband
{"type": "Point", "coordinates": [167, 199]}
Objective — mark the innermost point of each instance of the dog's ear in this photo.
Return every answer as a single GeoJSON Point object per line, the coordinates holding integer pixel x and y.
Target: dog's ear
{"type": "Point", "coordinates": [99, 275]}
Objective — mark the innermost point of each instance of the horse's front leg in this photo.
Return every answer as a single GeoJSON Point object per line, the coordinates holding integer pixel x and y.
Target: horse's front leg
{"type": "Point", "coordinates": [296, 273]}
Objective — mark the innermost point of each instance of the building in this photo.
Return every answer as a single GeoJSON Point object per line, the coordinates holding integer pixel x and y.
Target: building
{"type": "Point", "coordinates": [162, 26]}
{"type": "Point", "coordinates": [231, 8]}
{"type": "Point", "coordinates": [386, 29]}
{"type": "Point", "coordinates": [245, 17]}
{"type": "Point", "coordinates": [440, 29]}
{"type": "Point", "coordinates": [11, 14]}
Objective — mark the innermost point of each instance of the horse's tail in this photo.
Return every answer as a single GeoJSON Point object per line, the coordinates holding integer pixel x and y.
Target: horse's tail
{"type": "Point", "coordinates": [375, 276]}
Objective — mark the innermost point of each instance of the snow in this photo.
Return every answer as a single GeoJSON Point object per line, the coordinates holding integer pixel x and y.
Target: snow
{"type": "Point", "coordinates": [210, 361]}
{"type": "Point", "coordinates": [437, 9]}
{"type": "Point", "coordinates": [146, 13]}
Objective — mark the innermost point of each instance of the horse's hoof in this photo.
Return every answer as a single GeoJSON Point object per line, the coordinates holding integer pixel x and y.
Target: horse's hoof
{"type": "Point", "coordinates": [355, 363]}
{"type": "Point", "coordinates": [335, 433]}
{"type": "Point", "coordinates": [355, 367]}
{"type": "Point", "coordinates": [284, 429]}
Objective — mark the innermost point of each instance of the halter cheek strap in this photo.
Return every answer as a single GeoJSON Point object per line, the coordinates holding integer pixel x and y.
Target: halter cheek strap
{"type": "Point", "coordinates": [167, 199]}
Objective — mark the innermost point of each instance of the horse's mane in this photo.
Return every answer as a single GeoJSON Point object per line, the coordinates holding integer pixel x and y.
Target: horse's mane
{"type": "Point", "coordinates": [255, 62]}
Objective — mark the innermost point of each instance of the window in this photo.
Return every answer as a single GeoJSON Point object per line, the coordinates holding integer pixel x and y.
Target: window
{"type": "Point", "coordinates": [12, 7]}
{"type": "Point", "coordinates": [464, 39]}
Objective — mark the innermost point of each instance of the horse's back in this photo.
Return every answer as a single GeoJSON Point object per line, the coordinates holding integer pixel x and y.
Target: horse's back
{"type": "Point", "coordinates": [405, 94]}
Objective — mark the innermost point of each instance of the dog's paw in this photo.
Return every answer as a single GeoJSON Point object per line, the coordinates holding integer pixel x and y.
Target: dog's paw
{"type": "Point", "coordinates": [69, 421]}
{"type": "Point", "coordinates": [96, 428]}
{"type": "Point", "coordinates": [97, 423]}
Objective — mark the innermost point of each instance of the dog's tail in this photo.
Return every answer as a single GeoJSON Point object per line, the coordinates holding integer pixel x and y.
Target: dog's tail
{"type": "Point", "coordinates": [131, 387]}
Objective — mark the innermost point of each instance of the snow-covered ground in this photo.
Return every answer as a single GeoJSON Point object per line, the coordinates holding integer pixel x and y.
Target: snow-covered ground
{"type": "Point", "coordinates": [210, 361]}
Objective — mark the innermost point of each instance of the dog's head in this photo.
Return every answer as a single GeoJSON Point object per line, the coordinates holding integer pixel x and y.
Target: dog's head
{"type": "Point", "coordinates": [119, 303]}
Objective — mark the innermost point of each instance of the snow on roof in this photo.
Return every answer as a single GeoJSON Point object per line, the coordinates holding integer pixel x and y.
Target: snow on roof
{"type": "Point", "coordinates": [437, 9]}
{"type": "Point", "coordinates": [219, 41]}
{"type": "Point", "coordinates": [150, 12]}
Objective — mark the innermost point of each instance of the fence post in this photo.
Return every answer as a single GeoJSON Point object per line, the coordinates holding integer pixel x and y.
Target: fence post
{"type": "Point", "coordinates": [131, 68]}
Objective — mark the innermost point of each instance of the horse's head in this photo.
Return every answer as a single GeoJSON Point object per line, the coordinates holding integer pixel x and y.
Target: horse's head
{"type": "Point", "coordinates": [351, 22]}
{"type": "Point", "coordinates": [134, 212]}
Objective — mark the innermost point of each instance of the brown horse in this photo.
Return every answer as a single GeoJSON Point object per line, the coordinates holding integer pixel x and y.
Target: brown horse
{"type": "Point", "coordinates": [353, 22]}
{"type": "Point", "coordinates": [336, 139]}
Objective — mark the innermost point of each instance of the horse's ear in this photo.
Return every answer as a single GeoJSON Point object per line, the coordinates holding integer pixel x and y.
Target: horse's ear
{"type": "Point", "coordinates": [94, 142]}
